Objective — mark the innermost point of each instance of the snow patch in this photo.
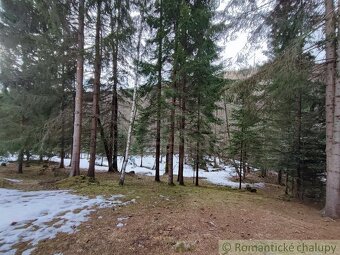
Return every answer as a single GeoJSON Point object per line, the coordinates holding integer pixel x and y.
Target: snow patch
{"type": "Point", "coordinates": [120, 225]}
{"type": "Point", "coordinates": [37, 215]}
{"type": "Point", "coordinates": [13, 180]}
{"type": "Point", "coordinates": [222, 176]}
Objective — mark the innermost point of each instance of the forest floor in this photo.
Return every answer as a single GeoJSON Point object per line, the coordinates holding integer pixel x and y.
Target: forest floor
{"type": "Point", "coordinates": [164, 215]}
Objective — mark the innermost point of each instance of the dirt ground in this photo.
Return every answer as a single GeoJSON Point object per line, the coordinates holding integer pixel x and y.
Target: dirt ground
{"type": "Point", "coordinates": [163, 215]}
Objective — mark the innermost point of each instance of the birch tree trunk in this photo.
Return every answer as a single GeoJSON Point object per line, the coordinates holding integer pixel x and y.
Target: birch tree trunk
{"type": "Point", "coordinates": [96, 91]}
{"type": "Point", "coordinates": [134, 99]}
{"type": "Point", "coordinates": [79, 93]}
{"type": "Point", "coordinates": [332, 208]}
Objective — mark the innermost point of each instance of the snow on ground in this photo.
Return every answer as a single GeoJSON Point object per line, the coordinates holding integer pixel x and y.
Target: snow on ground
{"type": "Point", "coordinates": [221, 177]}
{"type": "Point", "coordinates": [37, 215]}
{"type": "Point", "coordinates": [7, 158]}
{"type": "Point", "coordinates": [84, 162]}
{"type": "Point", "coordinates": [13, 180]}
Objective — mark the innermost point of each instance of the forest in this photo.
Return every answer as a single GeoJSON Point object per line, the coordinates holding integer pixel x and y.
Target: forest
{"type": "Point", "coordinates": [139, 126]}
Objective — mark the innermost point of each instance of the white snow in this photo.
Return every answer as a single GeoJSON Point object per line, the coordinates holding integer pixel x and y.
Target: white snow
{"type": "Point", "coordinates": [121, 221]}
{"type": "Point", "coordinates": [223, 177]}
{"type": "Point", "coordinates": [37, 215]}
{"type": "Point", "coordinates": [84, 163]}
{"type": "Point", "coordinates": [120, 225]}
{"type": "Point", "coordinates": [13, 180]}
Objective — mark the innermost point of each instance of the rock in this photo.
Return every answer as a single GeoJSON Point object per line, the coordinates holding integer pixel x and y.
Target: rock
{"type": "Point", "coordinates": [3, 164]}
{"type": "Point", "coordinates": [131, 173]}
{"type": "Point", "coordinates": [182, 246]}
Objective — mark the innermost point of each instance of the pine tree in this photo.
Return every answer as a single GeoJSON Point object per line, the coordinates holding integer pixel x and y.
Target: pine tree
{"type": "Point", "coordinates": [96, 92]}
{"type": "Point", "coordinates": [38, 76]}
{"type": "Point", "coordinates": [121, 29]}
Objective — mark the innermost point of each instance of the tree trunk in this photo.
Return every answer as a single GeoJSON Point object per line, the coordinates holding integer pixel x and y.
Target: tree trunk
{"type": "Point", "coordinates": [198, 140]}
{"type": "Point", "coordinates": [241, 167]}
{"type": "Point", "coordinates": [227, 137]}
{"type": "Point", "coordinates": [244, 168]}
{"type": "Point", "coordinates": [62, 112]}
{"type": "Point", "coordinates": [287, 183]}
{"type": "Point", "coordinates": [197, 162]}
{"type": "Point", "coordinates": [134, 99]}
{"type": "Point", "coordinates": [73, 114]}
{"type": "Point", "coordinates": [159, 90]}
{"type": "Point", "coordinates": [183, 81]}
{"type": "Point", "coordinates": [96, 92]}
{"type": "Point", "coordinates": [28, 155]}
{"type": "Point", "coordinates": [114, 107]}
{"type": "Point", "coordinates": [166, 170]}
{"type": "Point", "coordinates": [299, 181]}
{"type": "Point", "coordinates": [279, 177]}
{"type": "Point", "coordinates": [181, 139]}
{"type": "Point", "coordinates": [105, 142]}
{"type": "Point", "coordinates": [171, 144]}
{"type": "Point", "coordinates": [171, 138]}
{"type": "Point", "coordinates": [330, 76]}
{"type": "Point", "coordinates": [332, 208]}
{"type": "Point", "coordinates": [20, 161]}
{"type": "Point", "coordinates": [79, 93]}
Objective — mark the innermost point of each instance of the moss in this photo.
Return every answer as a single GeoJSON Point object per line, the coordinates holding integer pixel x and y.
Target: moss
{"type": "Point", "coordinates": [144, 188]}
{"type": "Point", "coordinates": [182, 246]}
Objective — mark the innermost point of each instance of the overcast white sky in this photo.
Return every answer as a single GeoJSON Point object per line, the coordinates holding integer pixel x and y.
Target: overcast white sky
{"type": "Point", "coordinates": [238, 53]}
{"type": "Point", "coordinates": [234, 58]}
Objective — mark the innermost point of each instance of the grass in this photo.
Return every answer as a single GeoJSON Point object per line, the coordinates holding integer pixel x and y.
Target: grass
{"type": "Point", "coordinates": [36, 177]}
{"type": "Point", "coordinates": [164, 215]}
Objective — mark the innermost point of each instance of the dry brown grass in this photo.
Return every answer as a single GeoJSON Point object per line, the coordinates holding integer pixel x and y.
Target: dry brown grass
{"type": "Point", "coordinates": [164, 215]}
